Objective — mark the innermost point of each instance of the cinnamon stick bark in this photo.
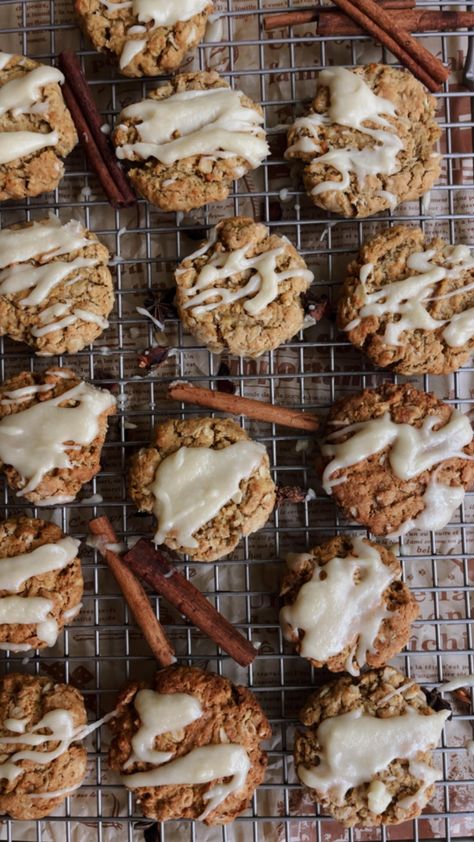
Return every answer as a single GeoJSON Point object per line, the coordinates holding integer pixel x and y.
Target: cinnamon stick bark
{"type": "Point", "coordinates": [152, 566]}
{"type": "Point", "coordinates": [135, 595]}
{"type": "Point", "coordinates": [414, 20]}
{"type": "Point", "coordinates": [235, 405]}
{"type": "Point", "coordinates": [294, 18]}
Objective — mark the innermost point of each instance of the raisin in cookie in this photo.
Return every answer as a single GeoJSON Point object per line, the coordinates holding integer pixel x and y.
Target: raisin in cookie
{"type": "Point", "coordinates": [189, 140]}
{"type": "Point", "coordinates": [409, 304]}
{"type": "Point", "coordinates": [241, 291]}
{"type": "Point", "coordinates": [146, 39]}
{"type": "Point", "coordinates": [36, 128]}
{"type": "Point", "coordinates": [207, 483]}
{"type": "Point", "coordinates": [52, 430]}
{"type": "Point", "coordinates": [40, 583]}
{"type": "Point", "coordinates": [55, 288]}
{"type": "Point", "coordinates": [190, 748]}
{"type": "Point", "coordinates": [397, 459]}
{"type": "Point", "coordinates": [367, 141]}
{"type": "Point", "coordinates": [345, 605]}
{"type": "Point", "coordinates": [366, 756]}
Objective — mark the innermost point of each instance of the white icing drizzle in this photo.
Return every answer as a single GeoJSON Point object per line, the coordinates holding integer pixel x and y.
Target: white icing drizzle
{"type": "Point", "coordinates": [25, 393]}
{"type": "Point", "coordinates": [70, 319]}
{"type": "Point", "coordinates": [160, 713]}
{"type": "Point", "coordinates": [19, 95]}
{"type": "Point", "coordinates": [408, 298]}
{"type": "Point", "coordinates": [356, 746]}
{"type": "Point", "coordinates": [42, 278]}
{"type": "Point", "coordinates": [457, 683]}
{"type": "Point", "coordinates": [15, 145]}
{"type": "Point", "coordinates": [8, 646]}
{"type": "Point", "coordinates": [210, 122]}
{"type": "Point", "coordinates": [18, 726]}
{"type": "Point", "coordinates": [262, 286]}
{"type": "Point", "coordinates": [346, 606]}
{"type": "Point", "coordinates": [41, 241]}
{"type": "Point", "coordinates": [440, 502]}
{"type": "Point", "coordinates": [352, 104]}
{"type": "Point", "coordinates": [34, 440]}
{"type": "Point", "coordinates": [61, 725]}
{"type": "Point", "coordinates": [17, 610]}
{"type": "Point", "coordinates": [131, 49]}
{"type": "Point", "coordinates": [16, 570]}
{"type": "Point", "coordinates": [4, 59]}
{"type": "Point", "coordinates": [378, 797]}
{"type": "Point", "coordinates": [193, 484]}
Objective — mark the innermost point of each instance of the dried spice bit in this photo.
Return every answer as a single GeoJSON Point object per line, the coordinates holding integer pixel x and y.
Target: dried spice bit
{"type": "Point", "coordinates": [161, 304]}
{"type": "Point", "coordinates": [226, 386]}
{"type": "Point", "coordinates": [290, 494]}
{"type": "Point", "coordinates": [436, 701]}
{"type": "Point", "coordinates": [462, 696]}
{"type": "Point", "coordinates": [153, 356]}
{"type": "Point", "coordinates": [318, 307]}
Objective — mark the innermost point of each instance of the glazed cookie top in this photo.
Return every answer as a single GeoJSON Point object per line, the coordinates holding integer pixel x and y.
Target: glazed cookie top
{"type": "Point", "coordinates": [409, 304]}
{"type": "Point", "coordinates": [55, 287]}
{"type": "Point", "coordinates": [52, 428]}
{"type": "Point", "coordinates": [241, 290]}
{"type": "Point", "coordinates": [149, 37]}
{"type": "Point", "coordinates": [367, 140]}
{"type": "Point", "coordinates": [345, 605]}
{"type": "Point", "coordinates": [367, 754]}
{"type": "Point", "coordinates": [40, 583]}
{"type": "Point", "coordinates": [398, 459]}
{"type": "Point", "coordinates": [176, 744]}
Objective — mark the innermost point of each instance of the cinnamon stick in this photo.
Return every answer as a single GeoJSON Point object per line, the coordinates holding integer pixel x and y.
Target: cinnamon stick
{"type": "Point", "coordinates": [382, 25]}
{"type": "Point", "coordinates": [88, 121]}
{"type": "Point", "coordinates": [413, 20]}
{"type": "Point", "coordinates": [134, 594]}
{"type": "Point", "coordinates": [235, 405]}
{"type": "Point", "coordinates": [152, 566]}
{"type": "Point", "coordinates": [284, 19]}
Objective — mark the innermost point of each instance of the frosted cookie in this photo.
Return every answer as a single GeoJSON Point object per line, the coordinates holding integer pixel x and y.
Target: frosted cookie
{"type": "Point", "coordinates": [397, 459]}
{"type": "Point", "coordinates": [55, 288]}
{"type": "Point", "coordinates": [367, 141]}
{"type": "Point", "coordinates": [189, 140]}
{"type": "Point", "coordinates": [42, 760]}
{"type": "Point", "coordinates": [52, 429]}
{"type": "Point", "coordinates": [40, 583]}
{"type": "Point", "coordinates": [190, 748]}
{"type": "Point", "coordinates": [145, 37]}
{"type": "Point", "coordinates": [366, 756]}
{"type": "Point", "coordinates": [36, 128]}
{"type": "Point", "coordinates": [241, 291]}
{"type": "Point", "coordinates": [207, 484]}
{"type": "Point", "coordinates": [345, 605]}
{"type": "Point", "coordinates": [409, 304]}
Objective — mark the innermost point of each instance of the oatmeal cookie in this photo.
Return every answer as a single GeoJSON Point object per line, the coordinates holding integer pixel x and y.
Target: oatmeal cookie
{"type": "Point", "coordinates": [368, 140]}
{"type": "Point", "coordinates": [189, 140]}
{"type": "Point", "coordinates": [52, 430]}
{"type": "Point", "coordinates": [241, 291]}
{"type": "Point", "coordinates": [345, 606]}
{"type": "Point", "coordinates": [31, 705]}
{"type": "Point", "coordinates": [397, 459]}
{"type": "Point", "coordinates": [409, 304]}
{"type": "Point", "coordinates": [36, 128]}
{"type": "Point", "coordinates": [144, 40]}
{"type": "Point", "coordinates": [55, 287]}
{"type": "Point", "coordinates": [204, 499]}
{"type": "Point", "coordinates": [198, 721]}
{"type": "Point", "coordinates": [366, 756]}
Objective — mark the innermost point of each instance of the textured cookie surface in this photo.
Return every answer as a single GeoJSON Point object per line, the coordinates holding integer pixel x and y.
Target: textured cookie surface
{"type": "Point", "coordinates": [230, 326]}
{"type": "Point", "coordinates": [141, 44]}
{"type": "Point", "coordinates": [394, 629]}
{"type": "Point", "coordinates": [409, 122]}
{"type": "Point", "coordinates": [182, 181]}
{"type": "Point", "coordinates": [432, 341]}
{"type": "Point", "coordinates": [375, 693]}
{"type": "Point", "coordinates": [256, 497]}
{"type": "Point", "coordinates": [62, 587]}
{"type": "Point", "coordinates": [39, 171]}
{"type": "Point", "coordinates": [230, 714]}
{"type": "Point", "coordinates": [31, 698]}
{"type": "Point", "coordinates": [69, 314]}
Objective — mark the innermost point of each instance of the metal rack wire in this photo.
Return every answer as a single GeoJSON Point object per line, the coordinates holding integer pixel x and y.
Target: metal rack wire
{"type": "Point", "coordinates": [103, 648]}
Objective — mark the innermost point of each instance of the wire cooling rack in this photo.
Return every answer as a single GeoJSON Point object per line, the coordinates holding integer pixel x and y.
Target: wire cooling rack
{"type": "Point", "coordinates": [103, 648]}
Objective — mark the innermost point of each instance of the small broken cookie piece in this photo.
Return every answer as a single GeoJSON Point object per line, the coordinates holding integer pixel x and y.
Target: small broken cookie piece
{"type": "Point", "coordinates": [40, 583]}
{"type": "Point", "coordinates": [207, 483]}
{"type": "Point", "coordinates": [345, 605]}
{"type": "Point", "coordinates": [409, 304]}
{"type": "Point", "coordinates": [366, 755]}
{"type": "Point", "coordinates": [36, 128]}
{"type": "Point", "coordinates": [368, 140]}
{"type": "Point", "coordinates": [52, 430]}
{"type": "Point", "coordinates": [189, 139]}
{"type": "Point", "coordinates": [56, 290]}
{"type": "Point", "coordinates": [44, 721]}
{"type": "Point", "coordinates": [241, 290]}
{"type": "Point", "coordinates": [190, 746]}
{"type": "Point", "coordinates": [145, 37]}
